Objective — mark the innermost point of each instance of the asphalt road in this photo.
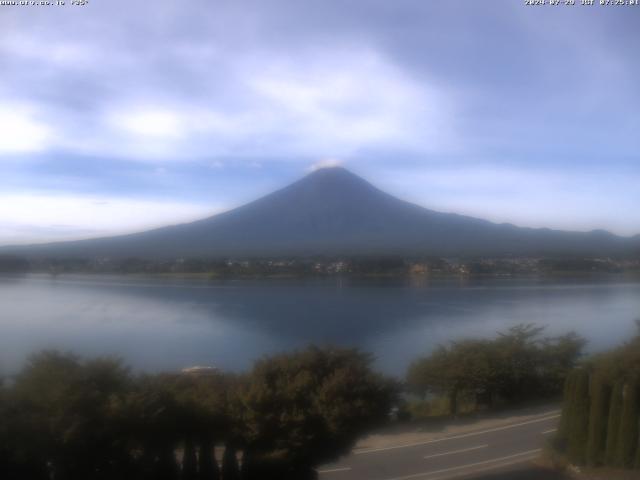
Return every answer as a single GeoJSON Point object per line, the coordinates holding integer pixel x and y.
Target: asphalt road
{"type": "Point", "coordinates": [475, 453]}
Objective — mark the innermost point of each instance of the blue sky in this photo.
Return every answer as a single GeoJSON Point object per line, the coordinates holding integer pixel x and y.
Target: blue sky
{"type": "Point", "coordinates": [124, 115]}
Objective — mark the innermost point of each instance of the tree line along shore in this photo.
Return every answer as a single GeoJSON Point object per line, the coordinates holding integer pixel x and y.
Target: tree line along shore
{"type": "Point", "coordinates": [356, 265]}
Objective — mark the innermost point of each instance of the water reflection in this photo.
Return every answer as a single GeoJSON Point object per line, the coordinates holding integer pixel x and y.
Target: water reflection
{"type": "Point", "coordinates": [164, 324]}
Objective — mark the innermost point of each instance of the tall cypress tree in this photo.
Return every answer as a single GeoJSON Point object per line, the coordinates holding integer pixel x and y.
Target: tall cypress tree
{"type": "Point", "coordinates": [166, 467]}
{"type": "Point", "coordinates": [567, 406]}
{"type": "Point", "coordinates": [208, 466]}
{"type": "Point", "coordinates": [598, 416]}
{"type": "Point", "coordinates": [615, 415]}
{"type": "Point", "coordinates": [579, 420]}
{"type": "Point", "coordinates": [230, 469]}
{"type": "Point", "coordinates": [628, 436]}
{"type": "Point", "coordinates": [189, 461]}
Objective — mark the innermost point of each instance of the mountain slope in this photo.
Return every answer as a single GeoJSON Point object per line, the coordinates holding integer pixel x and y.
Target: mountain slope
{"type": "Point", "coordinates": [333, 211]}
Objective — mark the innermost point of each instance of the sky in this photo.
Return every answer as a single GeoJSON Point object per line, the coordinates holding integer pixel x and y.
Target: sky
{"type": "Point", "coordinates": [123, 115]}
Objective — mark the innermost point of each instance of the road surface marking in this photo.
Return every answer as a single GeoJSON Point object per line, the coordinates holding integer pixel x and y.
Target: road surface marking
{"type": "Point", "coordinates": [335, 470]}
{"type": "Point", "coordinates": [501, 461]}
{"type": "Point", "coordinates": [485, 469]}
{"type": "Point", "coordinates": [456, 437]}
{"type": "Point", "coordinates": [453, 452]}
{"type": "Point", "coordinates": [547, 432]}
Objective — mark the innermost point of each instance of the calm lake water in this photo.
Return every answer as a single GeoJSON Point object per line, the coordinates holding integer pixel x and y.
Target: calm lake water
{"type": "Point", "coordinates": [156, 324]}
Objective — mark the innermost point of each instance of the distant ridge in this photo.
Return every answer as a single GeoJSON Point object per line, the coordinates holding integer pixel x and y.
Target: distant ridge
{"type": "Point", "coordinates": [332, 211]}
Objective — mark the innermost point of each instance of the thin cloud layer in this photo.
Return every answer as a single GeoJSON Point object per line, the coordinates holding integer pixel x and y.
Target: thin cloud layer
{"type": "Point", "coordinates": [26, 218]}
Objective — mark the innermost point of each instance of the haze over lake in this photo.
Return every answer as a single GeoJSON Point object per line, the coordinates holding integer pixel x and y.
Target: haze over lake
{"type": "Point", "coordinates": [155, 324]}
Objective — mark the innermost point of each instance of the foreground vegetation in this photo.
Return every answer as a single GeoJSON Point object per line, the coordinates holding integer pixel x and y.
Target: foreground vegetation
{"type": "Point", "coordinates": [600, 423]}
{"type": "Point", "coordinates": [63, 418]}
{"type": "Point", "coordinates": [517, 366]}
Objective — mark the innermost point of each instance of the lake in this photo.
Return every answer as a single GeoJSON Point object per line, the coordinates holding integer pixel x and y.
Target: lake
{"type": "Point", "coordinates": [155, 324]}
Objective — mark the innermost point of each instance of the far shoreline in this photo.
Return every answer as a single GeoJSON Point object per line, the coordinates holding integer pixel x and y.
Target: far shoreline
{"type": "Point", "coordinates": [407, 279]}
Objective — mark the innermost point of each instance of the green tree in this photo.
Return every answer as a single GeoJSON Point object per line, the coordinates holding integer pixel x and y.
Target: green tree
{"type": "Point", "coordinates": [309, 407]}
{"type": "Point", "coordinates": [564, 427]}
{"type": "Point", "coordinates": [579, 420]}
{"type": "Point", "coordinates": [465, 367]}
{"type": "Point", "coordinates": [249, 468]}
{"type": "Point", "coordinates": [598, 415]}
{"type": "Point", "coordinates": [518, 365]}
{"type": "Point", "coordinates": [519, 361]}
{"type": "Point", "coordinates": [203, 408]}
{"type": "Point", "coordinates": [152, 418]}
{"type": "Point", "coordinates": [628, 431]}
{"type": "Point", "coordinates": [558, 356]}
{"type": "Point", "coordinates": [207, 465]}
{"type": "Point", "coordinates": [63, 416]}
{"type": "Point", "coordinates": [230, 468]}
{"type": "Point", "coordinates": [613, 423]}
{"type": "Point", "coordinates": [189, 461]}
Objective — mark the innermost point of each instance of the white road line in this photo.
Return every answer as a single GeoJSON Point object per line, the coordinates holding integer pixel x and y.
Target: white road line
{"type": "Point", "coordinates": [530, 454]}
{"type": "Point", "coordinates": [334, 470]}
{"type": "Point", "coordinates": [453, 452]}
{"type": "Point", "coordinates": [456, 437]}
{"type": "Point", "coordinates": [486, 469]}
{"type": "Point", "coordinates": [547, 432]}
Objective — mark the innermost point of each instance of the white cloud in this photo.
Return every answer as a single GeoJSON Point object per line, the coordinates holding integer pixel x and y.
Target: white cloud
{"type": "Point", "coordinates": [41, 217]}
{"type": "Point", "coordinates": [322, 105]}
{"type": "Point", "coordinates": [339, 104]}
{"type": "Point", "coordinates": [325, 163]}
{"type": "Point", "coordinates": [151, 123]}
{"type": "Point", "coordinates": [21, 131]}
